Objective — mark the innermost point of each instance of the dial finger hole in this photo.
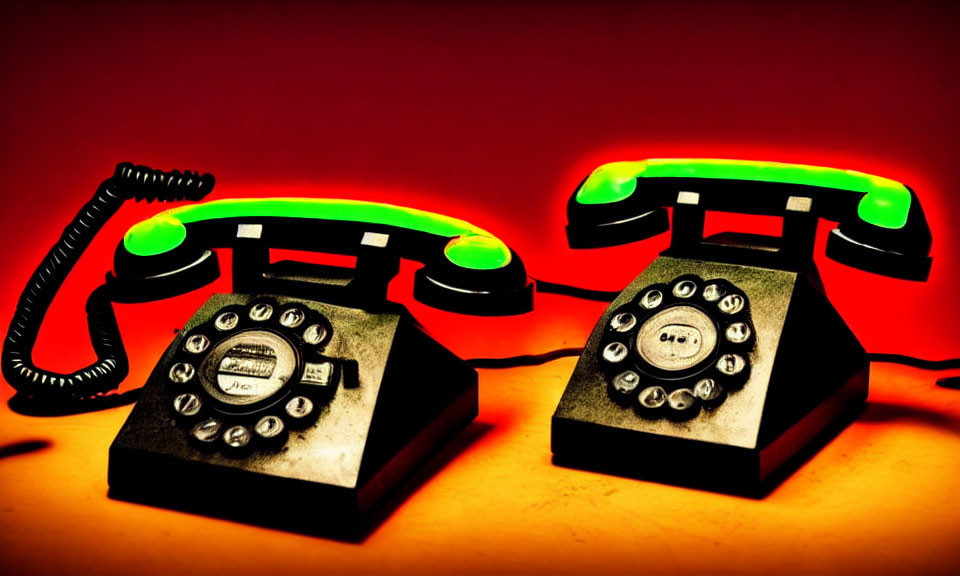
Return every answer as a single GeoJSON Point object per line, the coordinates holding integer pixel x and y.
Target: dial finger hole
{"type": "Point", "coordinates": [623, 322]}
{"type": "Point", "coordinates": [707, 390]}
{"type": "Point", "coordinates": [187, 404]}
{"type": "Point", "coordinates": [269, 427]}
{"type": "Point", "coordinates": [226, 321]}
{"type": "Point", "coordinates": [712, 292]}
{"type": "Point", "coordinates": [314, 334]}
{"type": "Point", "coordinates": [196, 344]}
{"type": "Point", "coordinates": [615, 352]}
{"type": "Point", "coordinates": [732, 303]}
{"type": "Point", "coordinates": [292, 317]}
{"type": "Point", "coordinates": [299, 407]}
{"type": "Point", "coordinates": [738, 332]}
{"type": "Point", "coordinates": [652, 397]}
{"type": "Point", "coordinates": [261, 311]}
{"type": "Point", "coordinates": [682, 399]}
{"type": "Point", "coordinates": [236, 436]}
{"type": "Point", "coordinates": [651, 299]}
{"type": "Point", "coordinates": [731, 364]}
{"type": "Point", "coordinates": [685, 289]}
{"type": "Point", "coordinates": [207, 431]}
{"type": "Point", "coordinates": [626, 382]}
{"type": "Point", "coordinates": [181, 372]}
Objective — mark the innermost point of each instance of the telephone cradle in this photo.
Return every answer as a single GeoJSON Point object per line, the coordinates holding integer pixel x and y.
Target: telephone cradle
{"type": "Point", "coordinates": [302, 399]}
{"type": "Point", "coordinates": [724, 362]}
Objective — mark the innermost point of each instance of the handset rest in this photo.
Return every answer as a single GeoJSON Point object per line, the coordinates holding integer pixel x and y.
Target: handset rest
{"type": "Point", "coordinates": [466, 269]}
{"type": "Point", "coordinates": [881, 225]}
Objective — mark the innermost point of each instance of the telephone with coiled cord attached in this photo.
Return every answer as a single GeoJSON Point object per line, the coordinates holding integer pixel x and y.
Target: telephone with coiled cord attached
{"type": "Point", "coordinates": [303, 397]}
{"type": "Point", "coordinates": [724, 358]}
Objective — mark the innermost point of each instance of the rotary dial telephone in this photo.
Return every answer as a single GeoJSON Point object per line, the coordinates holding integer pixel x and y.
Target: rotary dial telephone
{"type": "Point", "coordinates": [305, 390]}
{"type": "Point", "coordinates": [702, 371]}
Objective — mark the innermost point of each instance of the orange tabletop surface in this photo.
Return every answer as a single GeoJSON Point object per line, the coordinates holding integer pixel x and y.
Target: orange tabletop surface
{"type": "Point", "coordinates": [880, 497]}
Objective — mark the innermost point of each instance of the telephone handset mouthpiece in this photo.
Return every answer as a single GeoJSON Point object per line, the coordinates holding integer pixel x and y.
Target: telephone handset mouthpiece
{"type": "Point", "coordinates": [881, 225]}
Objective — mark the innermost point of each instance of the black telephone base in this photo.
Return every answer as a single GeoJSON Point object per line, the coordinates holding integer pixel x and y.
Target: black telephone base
{"type": "Point", "coordinates": [706, 466]}
{"type": "Point", "coordinates": [803, 375]}
{"type": "Point", "coordinates": [381, 396]}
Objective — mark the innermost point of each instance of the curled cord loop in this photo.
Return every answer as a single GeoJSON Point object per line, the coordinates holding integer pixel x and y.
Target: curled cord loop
{"type": "Point", "coordinates": [111, 367]}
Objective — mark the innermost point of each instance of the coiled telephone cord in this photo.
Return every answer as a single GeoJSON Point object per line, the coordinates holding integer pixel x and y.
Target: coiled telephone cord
{"type": "Point", "coordinates": [128, 181]}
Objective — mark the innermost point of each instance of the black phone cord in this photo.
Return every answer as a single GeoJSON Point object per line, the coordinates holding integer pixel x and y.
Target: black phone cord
{"type": "Point", "coordinates": [549, 356]}
{"type": "Point", "coordinates": [104, 375]}
{"type": "Point", "coordinates": [576, 291]}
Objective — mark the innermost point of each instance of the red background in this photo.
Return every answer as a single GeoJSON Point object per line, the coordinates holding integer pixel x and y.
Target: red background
{"type": "Point", "coordinates": [491, 113]}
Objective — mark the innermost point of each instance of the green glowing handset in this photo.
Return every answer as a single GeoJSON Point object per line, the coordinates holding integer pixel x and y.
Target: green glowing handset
{"type": "Point", "coordinates": [302, 397]}
{"type": "Point", "coordinates": [724, 358]}
{"type": "Point", "coordinates": [466, 268]}
{"type": "Point", "coordinates": [881, 226]}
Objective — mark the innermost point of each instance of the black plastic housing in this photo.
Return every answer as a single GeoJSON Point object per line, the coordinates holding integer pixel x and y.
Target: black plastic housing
{"type": "Point", "coordinates": [410, 396]}
{"type": "Point", "coordinates": [808, 377]}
